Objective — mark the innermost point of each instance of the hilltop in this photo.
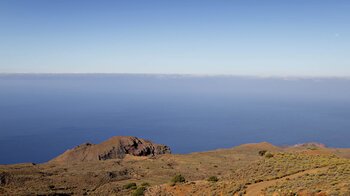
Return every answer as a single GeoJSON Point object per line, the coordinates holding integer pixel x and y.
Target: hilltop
{"type": "Point", "coordinates": [129, 165]}
{"type": "Point", "coordinates": [114, 148]}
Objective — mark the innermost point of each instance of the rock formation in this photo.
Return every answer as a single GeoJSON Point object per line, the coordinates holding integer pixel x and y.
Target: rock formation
{"type": "Point", "coordinates": [311, 145]}
{"type": "Point", "coordinates": [114, 148]}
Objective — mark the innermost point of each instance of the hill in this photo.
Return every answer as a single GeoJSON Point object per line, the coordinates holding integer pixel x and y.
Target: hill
{"type": "Point", "coordinates": [115, 147]}
{"type": "Point", "coordinates": [137, 166]}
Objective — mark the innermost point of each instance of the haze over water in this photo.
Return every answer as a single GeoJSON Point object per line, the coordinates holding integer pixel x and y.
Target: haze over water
{"type": "Point", "coordinates": [41, 116]}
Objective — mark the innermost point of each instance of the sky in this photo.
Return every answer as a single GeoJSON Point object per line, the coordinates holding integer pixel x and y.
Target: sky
{"type": "Point", "coordinates": [236, 37]}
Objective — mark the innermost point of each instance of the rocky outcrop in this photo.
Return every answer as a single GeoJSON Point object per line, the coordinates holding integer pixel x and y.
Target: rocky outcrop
{"type": "Point", "coordinates": [114, 148]}
{"type": "Point", "coordinates": [311, 145]}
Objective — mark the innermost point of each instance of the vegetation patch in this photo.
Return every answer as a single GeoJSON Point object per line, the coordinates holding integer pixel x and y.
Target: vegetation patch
{"type": "Point", "coordinates": [178, 179]}
{"type": "Point", "coordinates": [145, 184]}
{"type": "Point", "coordinates": [139, 191]}
{"type": "Point", "coordinates": [213, 179]}
{"type": "Point", "coordinates": [268, 155]}
{"type": "Point", "coordinates": [131, 185]}
{"type": "Point", "coordinates": [333, 181]}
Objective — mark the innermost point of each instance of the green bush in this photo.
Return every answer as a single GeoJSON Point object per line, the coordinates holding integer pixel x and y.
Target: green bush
{"type": "Point", "coordinates": [213, 179]}
{"type": "Point", "coordinates": [178, 179]}
{"type": "Point", "coordinates": [268, 155]}
{"type": "Point", "coordinates": [139, 191]}
{"type": "Point", "coordinates": [145, 184]}
{"type": "Point", "coordinates": [131, 185]}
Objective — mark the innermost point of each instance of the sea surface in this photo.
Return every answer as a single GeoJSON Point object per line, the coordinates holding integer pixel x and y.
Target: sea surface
{"type": "Point", "coordinates": [42, 115]}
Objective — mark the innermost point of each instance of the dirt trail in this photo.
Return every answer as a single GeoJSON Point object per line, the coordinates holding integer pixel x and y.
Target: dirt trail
{"type": "Point", "coordinates": [255, 189]}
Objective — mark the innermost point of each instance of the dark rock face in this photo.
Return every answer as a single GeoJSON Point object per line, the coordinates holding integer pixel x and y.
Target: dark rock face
{"type": "Point", "coordinates": [139, 147]}
{"type": "Point", "coordinates": [114, 148]}
{"type": "Point", "coordinates": [134, 146]}
{"type": "Point", "coordinates": [112, 154]}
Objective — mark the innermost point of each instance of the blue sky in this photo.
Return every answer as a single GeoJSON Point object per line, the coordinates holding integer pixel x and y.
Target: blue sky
{"type": "Point", "coordinates": [239, 37]}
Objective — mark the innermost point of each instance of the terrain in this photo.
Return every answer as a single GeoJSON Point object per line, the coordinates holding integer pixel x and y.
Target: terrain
{"type": "Point", "coordinates": [133, 166]}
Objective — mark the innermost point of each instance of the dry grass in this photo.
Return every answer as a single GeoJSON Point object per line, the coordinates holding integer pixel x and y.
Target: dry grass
{"type": "Point", "coordinates": [235, 168]}
{"type": "Point", "coordinates": [334, 181]}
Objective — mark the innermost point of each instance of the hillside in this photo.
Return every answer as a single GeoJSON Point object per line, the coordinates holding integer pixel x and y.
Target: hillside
{"type": "Point", "coordinates": [249, 169]}
{"type": "Point", "coordinates": [114, 148]}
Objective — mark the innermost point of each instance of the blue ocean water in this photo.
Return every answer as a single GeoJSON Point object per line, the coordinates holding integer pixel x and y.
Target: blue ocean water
{"type": "Point", "coordinates": [43, 115]}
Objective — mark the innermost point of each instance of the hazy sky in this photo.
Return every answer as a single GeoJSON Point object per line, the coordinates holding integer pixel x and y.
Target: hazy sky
{"type": "Point", "coordinates": [240, 37]}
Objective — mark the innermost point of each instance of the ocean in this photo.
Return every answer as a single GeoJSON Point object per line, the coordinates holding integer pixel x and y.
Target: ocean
{"type": "Point", "coordinates": [42, 115]}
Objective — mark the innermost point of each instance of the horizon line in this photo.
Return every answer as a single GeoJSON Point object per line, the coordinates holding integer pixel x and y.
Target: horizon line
{"type": "Point", "coordinates": [179, 74]}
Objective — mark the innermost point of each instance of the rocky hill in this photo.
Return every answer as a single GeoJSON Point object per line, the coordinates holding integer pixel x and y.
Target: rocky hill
{"type": "Point", "coordinates": [114, 148]}
{"type": "Point", "coordinates": [132, 166]}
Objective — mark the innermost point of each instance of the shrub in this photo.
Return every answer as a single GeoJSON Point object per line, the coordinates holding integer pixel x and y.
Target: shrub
{"type": "Point", "coordinates": [145, 184]}
{"type": "Point", "coordinates": [139, 191]}
{"type": "Point", "coordinates": [312, 148]}
{"type": "Point", "coordinates": [213, 179]}
{"type": "Point", "coordinates": [262, 152]}
{"type": "Point", "coordinates": [178, 179]}
{"type": "Point", "coordinates": [131, 185]}
{"type": "Point", "coordinates": [268, 155]}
